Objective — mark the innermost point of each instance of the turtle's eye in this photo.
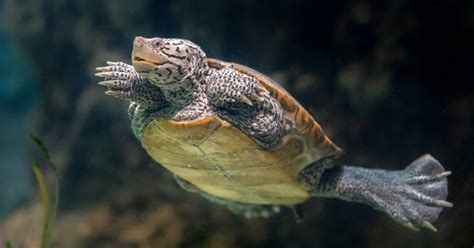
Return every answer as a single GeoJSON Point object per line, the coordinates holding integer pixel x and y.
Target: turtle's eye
{"type": "Point", "coordinates": [157, 43]}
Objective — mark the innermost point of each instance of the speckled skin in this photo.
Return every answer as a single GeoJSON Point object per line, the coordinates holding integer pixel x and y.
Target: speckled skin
{"type": "Point", "coordinates": [171, 78]}
{"type": "Point", "coordinates": [408, 196]}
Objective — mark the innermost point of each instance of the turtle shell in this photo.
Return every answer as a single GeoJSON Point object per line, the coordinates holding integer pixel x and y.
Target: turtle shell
{"type": "Point", "coordinates": [223, 161]}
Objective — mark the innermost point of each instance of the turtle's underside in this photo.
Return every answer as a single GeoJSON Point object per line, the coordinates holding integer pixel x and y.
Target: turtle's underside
{"type": "Point", "coordinates": [235, 136]}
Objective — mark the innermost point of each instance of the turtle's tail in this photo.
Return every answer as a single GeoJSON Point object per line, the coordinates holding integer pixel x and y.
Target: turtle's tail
{"type": "Point", "coordinates": [413, 197]}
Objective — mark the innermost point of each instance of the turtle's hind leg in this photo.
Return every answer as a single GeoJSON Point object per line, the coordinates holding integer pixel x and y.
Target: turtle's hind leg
{"type": "Point", "coordinates": [414, 197]}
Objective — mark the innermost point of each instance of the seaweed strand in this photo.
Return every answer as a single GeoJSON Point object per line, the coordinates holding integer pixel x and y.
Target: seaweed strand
{"type": "Point", "coordinates": [49, 209]}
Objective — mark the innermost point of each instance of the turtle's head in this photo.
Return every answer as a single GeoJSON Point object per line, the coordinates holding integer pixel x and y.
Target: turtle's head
{"type": "Point", "coordinates": [168, 61]}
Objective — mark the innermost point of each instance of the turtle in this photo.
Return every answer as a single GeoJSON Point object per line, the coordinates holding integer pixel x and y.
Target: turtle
{"type": "Point", "coordinates": [239, 139]}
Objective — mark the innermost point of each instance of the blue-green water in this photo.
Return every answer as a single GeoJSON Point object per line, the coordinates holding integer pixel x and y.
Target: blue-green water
{"type": "Point", "coordinates": [18, 100]}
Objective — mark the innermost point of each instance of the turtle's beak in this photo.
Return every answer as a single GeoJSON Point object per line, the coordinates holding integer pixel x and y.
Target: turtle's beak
{"type": "Point", "coordinates": [144, 58]}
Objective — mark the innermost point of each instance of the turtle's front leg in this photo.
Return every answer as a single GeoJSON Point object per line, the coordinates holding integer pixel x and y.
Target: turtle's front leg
{"type": "Point", "coordinates": [146, 100]}
{"type": "Point", "coordinates": [122, 81]}
{"type": "Point", "coordinates": [242, 101]}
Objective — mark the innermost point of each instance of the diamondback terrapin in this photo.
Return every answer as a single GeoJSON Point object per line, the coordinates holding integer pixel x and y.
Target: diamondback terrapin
{"type": "Point", "coordinates": [236, 137]}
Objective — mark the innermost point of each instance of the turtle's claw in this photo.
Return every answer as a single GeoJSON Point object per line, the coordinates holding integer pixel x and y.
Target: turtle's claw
{"type": "Point", "coordinates": [423, 223]}
{"type": "Point", "coordinates": [112, 63]}
{"type": "Point", "coordinates": [257, 97]}
{"type": "Point", "coordinates": [246, 100]}
{"type": "Point", "coordinates": [114, 67]}
{"type": "Point", "coordinates": [106, 83]}
{"type": "Point", "coordinates": [428, 226]}
{"type": "Point", "coordinates": [103, 74]}
{"type": "Point", "coordinates": [113, 93]}
{"type": "Point", "coordinates": [444, 174]}
{"type": "Point", "coordinates": [443, 203]}
{"type": "Point", "coordinates": [411, 226]}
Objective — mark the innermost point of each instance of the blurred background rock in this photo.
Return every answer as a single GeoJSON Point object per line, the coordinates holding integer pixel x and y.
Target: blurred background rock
{"type": "Point", "coordinates": [388, 81]}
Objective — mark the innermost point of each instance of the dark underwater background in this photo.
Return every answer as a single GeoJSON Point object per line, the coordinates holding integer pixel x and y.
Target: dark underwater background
{"type": "Point", "coordinates": [388, 80]}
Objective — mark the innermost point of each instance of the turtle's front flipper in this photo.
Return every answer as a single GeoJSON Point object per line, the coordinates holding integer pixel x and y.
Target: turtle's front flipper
{"type": "Point", "coordinates": [124, 82]}
{"type": "Point", "coordinates": [242, 101]}
{"type": "Point", "coordinates": [413, 197]}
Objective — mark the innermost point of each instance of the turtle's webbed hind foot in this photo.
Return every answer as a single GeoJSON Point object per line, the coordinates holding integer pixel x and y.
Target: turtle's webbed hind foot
{"type": "Point", "coordinates": [414, 197]}
{"type": "Point", "coordinates": [422, 192]}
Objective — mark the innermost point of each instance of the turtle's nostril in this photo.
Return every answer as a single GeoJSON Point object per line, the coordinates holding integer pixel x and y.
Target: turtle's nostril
{"type": "Point", "coordinates": [139, 41]}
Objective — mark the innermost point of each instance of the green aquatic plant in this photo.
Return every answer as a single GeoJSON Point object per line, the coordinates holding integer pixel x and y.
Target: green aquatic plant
{"type": "Point", "coordinates": [8, 244]}
{"type": "Point", "coordinates": [50, 206]}
{"type": "Point", "coordinates": [49, 210]}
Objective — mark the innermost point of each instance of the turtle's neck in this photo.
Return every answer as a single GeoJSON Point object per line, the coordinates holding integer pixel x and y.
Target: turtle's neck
{"type": "Point", "coordinates": [188, 91]}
